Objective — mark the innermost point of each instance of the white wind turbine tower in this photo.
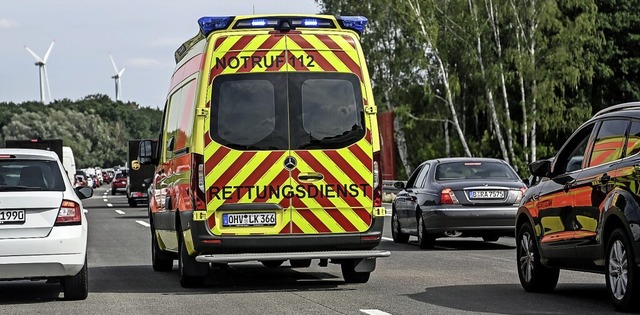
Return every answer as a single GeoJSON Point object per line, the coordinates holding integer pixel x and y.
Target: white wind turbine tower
{"type": "Point", "coordinates": [42, 71]}
{"type": "Point", "coordinates": [116, 77]}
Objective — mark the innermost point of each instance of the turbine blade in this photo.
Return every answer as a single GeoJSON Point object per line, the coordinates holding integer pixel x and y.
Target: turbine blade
{"type": "Point", "coordinates": [121, 72]}
{"type": "Point", "coordinates": [113, 63]}
{"type": "Point", "coordinates": [46, 79]}
{"type": "Point", "coordinates": [46, 56]}
{"type": "Point", "coordinates": [38, 59]}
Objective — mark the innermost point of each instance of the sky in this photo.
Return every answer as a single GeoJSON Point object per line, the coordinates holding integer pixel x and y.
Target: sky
{"type": "Point", "coordinates": [141, 35]}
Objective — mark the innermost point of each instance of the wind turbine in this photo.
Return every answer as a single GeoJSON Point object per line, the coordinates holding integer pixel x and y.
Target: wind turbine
{"type": "Point", "coordinates": [116, 77]}
{"type": "Point", "coordinates": [42, 71]}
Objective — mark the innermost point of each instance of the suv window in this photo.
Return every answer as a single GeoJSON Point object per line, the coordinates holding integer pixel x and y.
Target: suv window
{"type": "Point", "coordinates": [608, 145]}
{"type": "Point", "coordinates": [572, 155]}
{"type": "Point", "coordinates": [633, 143]}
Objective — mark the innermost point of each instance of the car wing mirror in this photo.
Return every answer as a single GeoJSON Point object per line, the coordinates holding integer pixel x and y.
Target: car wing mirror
{"type": "Point", "coordinates": [540, 168]}
{"type": "Point", "coordinates": [84, 192]}
{"type": "Point", "coordinates": [146, 154]}
{"type": "Point", "coordinates": [399, 185]}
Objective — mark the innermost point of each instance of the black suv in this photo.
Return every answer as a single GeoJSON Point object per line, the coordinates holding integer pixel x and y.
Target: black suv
{"type": "Point", "coordinates": [585, 212]}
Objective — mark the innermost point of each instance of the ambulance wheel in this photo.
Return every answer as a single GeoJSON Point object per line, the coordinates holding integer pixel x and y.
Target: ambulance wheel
{"type": "Point", "coordinates": [192, 273]}
{"type": "Point", "coordinates": [77, 287]}
{"type": "Point", "coordinates": [300, 263]}
{"type": "Point", "coordinates": [350, 274]}
{"type": "Point", "coordinates": [272, 263]}
{"type": "Point", "coordinates": [160, 260]}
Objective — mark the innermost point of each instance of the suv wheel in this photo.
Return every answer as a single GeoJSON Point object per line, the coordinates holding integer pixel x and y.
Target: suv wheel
{"type": "Point", "coordinates": [425, 241]}
{"type": "Point", "coordinates": [398, 236]}
{"type": "Point", "coordinates": [534, 277]}
{"type": "Point", "coordinates": [621, 274]}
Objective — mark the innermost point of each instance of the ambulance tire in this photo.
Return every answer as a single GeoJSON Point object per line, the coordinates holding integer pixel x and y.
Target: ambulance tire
{"type": "Point", "coordinates": [160, 260]}
{"type": "Point", "coordinates": [300, 263]}
{"type": "Point", "coordinates": [77, 287]}
{"type": "Point", "coordinates": [192, 273]}
{"type": "Point", "coordinates": [272, 263]}
{"type": "Point", "coordinates": [350, 274]}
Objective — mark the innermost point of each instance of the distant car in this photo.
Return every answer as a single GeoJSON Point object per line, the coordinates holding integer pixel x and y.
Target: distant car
{"type": "Point", "coordinates": [119, 183]}
{"type": "Point", "coordinates": [462, 197]}
{"type": "Point", "coordinates": [43, 228]}
{"type": "Point", "coordinates": [80, 181]}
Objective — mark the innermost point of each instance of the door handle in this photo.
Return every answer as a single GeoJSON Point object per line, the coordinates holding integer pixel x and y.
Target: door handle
{"type": "Point", "coordinates": [310, 177]}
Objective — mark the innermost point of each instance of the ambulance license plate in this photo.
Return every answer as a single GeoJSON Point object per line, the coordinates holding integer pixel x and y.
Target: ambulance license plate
{"type": "Point", "coordinates": [249, 219]}
{"type": "Point", "coordinates": [12, 216]}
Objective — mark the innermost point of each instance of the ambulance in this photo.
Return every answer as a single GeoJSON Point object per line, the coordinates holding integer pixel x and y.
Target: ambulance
{"type": "Point", "coordinates": [269, 149]}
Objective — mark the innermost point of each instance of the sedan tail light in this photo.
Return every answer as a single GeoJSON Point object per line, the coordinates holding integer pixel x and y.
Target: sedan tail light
{"type": "Point", "coordinates": [69, 213]}
{"type": "Point", "coordinates": [447, 197]}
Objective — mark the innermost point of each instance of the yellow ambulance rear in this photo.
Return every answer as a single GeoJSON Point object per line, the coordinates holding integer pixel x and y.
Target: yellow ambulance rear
{"type": "Point", "coordinates": [270, 149]}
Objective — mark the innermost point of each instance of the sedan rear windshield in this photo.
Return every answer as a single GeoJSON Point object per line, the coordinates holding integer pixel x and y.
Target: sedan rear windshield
{"type": "Point", "coordinates": [475, 170]}
{"type": "Point", "coordinates": [30, 175]}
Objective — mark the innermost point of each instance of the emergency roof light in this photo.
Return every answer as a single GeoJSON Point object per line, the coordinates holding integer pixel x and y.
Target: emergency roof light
{"type": "Point", "coordinates": [284, 22]}
{"type": "Point", "coordinates": [209, 24]}
{"type": "Point", "coordinates": [355, 23]}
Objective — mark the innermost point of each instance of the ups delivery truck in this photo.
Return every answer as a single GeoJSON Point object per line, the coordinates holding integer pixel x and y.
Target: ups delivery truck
{"type": "Point", "coordinates": [139, 176]}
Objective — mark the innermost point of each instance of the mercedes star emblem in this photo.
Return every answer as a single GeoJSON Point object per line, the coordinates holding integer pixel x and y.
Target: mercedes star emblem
{"type": "Point", "coordinates": [290, 163]}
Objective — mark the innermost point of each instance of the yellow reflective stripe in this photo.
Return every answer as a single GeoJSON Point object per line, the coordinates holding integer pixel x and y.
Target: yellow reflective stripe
{"type": "Point", "coordinates": [346, 47]}
{"type": "Point", "coordinates": [226, 45]}
{"type": "Point", "coordinates": [326, 53]}
{"type": "Point", "coordinates": [217, 171]}
{"type": "Point", "coordinates": [357, 165]}
{"type": "Point", "coordinates": [339, 174]}
{"type": "Point", "coordinates": [279, 47]}
{"type": "Point", "coordinates": [366, 147]}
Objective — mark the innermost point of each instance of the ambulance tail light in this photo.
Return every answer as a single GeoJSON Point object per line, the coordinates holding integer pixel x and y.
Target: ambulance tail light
{"type": "Point", "coordinates": [377, 180]}
{"type": "Point", "coordinates": [197, 181]}
{"type": "Point", "coordinates": [69, 213]}
{"type": "Point", "coordinates": [447, 197]}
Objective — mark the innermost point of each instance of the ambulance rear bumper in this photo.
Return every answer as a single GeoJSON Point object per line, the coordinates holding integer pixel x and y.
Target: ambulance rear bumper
{"type": "Point", "coordinates": [334, 255]}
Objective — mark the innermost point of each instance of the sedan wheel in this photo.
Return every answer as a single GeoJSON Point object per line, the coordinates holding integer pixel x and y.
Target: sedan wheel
{"type": "Point", "coordinates": [398, 236]}
{"type": "Point", "coordinates": [534, 277]}
{"type": "Point", "coordinates": [621, 273]}
{"type": "Point", "coordinates": [425, 241]}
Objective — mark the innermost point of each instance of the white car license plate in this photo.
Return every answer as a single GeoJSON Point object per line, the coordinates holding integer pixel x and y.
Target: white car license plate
{"type": "Point", "coordinates": [249, 219]}
{"type": "Point", "coordinates": [12, 216]}
{"type": "Point", "coordinates": [486, 194]}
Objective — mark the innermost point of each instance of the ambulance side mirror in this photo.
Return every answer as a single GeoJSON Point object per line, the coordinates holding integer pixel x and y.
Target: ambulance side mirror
{"type": "Point", "coordinates": [146, 154]}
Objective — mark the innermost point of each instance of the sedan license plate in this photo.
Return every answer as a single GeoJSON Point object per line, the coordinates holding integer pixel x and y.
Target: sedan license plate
{"type": "Point", "coordinates": [249, 219]}
{"type": "Point", "coordinates": [12, 216]}
{"type": "Point", "coordinates": [486, 194]}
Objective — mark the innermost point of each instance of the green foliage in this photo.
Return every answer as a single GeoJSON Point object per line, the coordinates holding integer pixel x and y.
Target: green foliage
{"type": "Point", "coordinates": [96, 128]}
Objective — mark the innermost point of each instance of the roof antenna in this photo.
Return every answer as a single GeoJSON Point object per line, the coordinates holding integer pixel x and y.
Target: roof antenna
{"type": "Point", "coordinates": [254, 8]}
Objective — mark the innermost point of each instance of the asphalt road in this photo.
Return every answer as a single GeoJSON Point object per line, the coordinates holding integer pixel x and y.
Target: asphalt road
{"type": "Point", "coordinates": [460, 276]}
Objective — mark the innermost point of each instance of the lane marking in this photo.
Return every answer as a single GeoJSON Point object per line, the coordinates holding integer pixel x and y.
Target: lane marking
{"type": "Point", "coordinates": [105, 199]}
{"type": "Point", "coordinates": [109, 205]}
{"type": "Point", "coordinates": [120, 212]}
{"type": "Point", "coordinates": [375, 312]}
{"type": "Point", "coordinates": [387, 239]}
{"type": "Point", "coordinates": [145, 224]}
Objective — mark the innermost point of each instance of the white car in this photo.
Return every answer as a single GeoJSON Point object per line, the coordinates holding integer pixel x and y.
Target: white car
{"type": "Point", "coordinates": [43, 227]}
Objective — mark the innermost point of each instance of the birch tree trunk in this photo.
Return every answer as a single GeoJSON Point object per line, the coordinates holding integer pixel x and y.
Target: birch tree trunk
{"type": "Point", "coordinates": [415, 8]}
{"type": "Point", "coordinates": [401, 141]}
{"type": "Point", "coordinates": [495, 25]}
{"type": "Point", "coordinates": [488, 89]}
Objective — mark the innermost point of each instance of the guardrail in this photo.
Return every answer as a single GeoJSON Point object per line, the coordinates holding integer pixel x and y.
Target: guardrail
{"type": "Point", "coordinates": [389, 192]}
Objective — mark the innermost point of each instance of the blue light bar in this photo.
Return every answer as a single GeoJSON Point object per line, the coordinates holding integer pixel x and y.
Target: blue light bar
{"type": "Point", "coordinates": [209, 24]}
{"type": "Point", "coordinates": [310, 22]}
{"type": "Point", "coordinates": [259, 23]}
{"type": "Point", "coordinates": [356, 23]}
